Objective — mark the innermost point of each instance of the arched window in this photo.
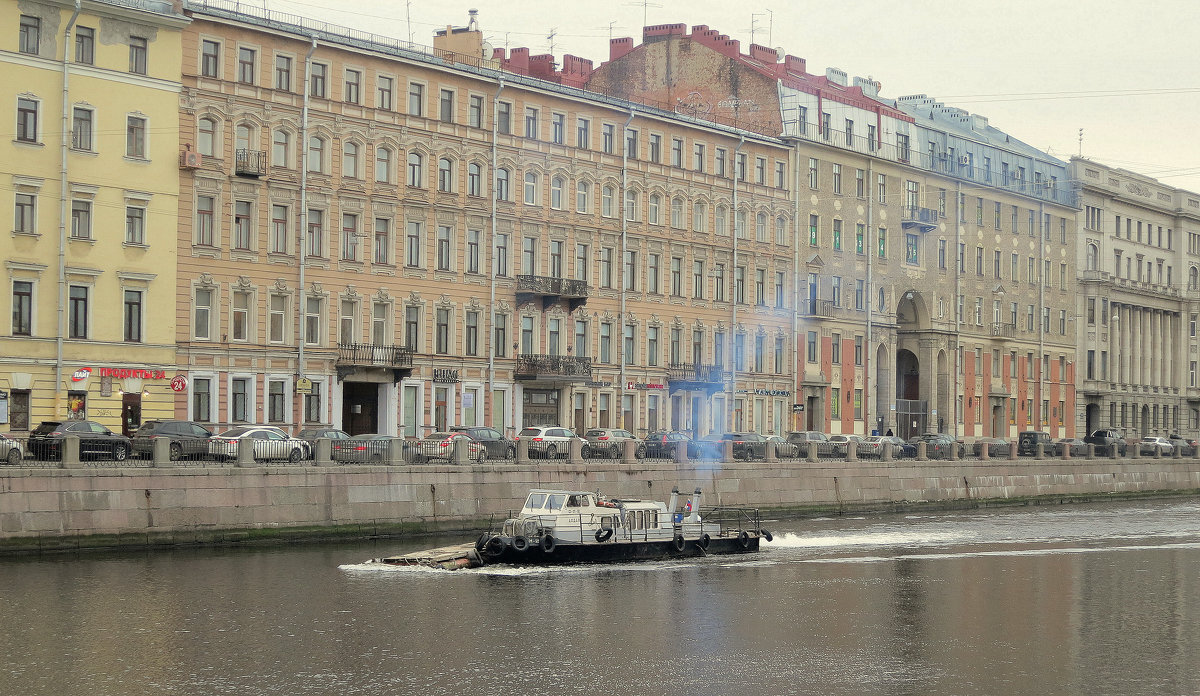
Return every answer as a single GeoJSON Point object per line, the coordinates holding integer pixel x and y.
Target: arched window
{"type": "Point", "coordinates": [557, 184]}
{"type": "Point", "coordinates": [206, 137]}
{"type": "Point", "coordinates": [721, 223]}
{"type": "Point", "coordinates": [652, 213]}
{"type": "Point", "coordinates": [583, 196]}
{"type": "Point", "coordinates": [502, 180]}
{"type": "Point", "coordinates": [1193, 278]}
{"type": "Point", "coordinates": [631, 204]}
{"type": "Point", "coordinates": [781, 230]}
{"type": "Point", "coordinates": [607, 194]}
{"type": "Point", "coordinates": [531, 187]}
{"type": "Point", "coordinates": [245, 136]}
{"type": "Point", "coordinates": [416, 167]}
{"type": "Point", "coordinates": [699, 216]}
{"type": "Point", "coordinates": [1093, 257]}
{"type": "Point", "coordinates": [740, 224]}
{"type": "Point", "coordinates": [281, 142]}
{"type": "Point", "coordinates": [474, 180]}
{"type": "Point", "coordinates": [677, 212]}
{"type": "Point", "coordinates": [316, 154]}
{"type": "Point", "coordinates": [445, 175]}
{"type": "Point", "coordinates": [350, 160]}
{"type": "Point", "coordinates": [383, 164]}
{"type": "Point", "coordinates": [760, 227]}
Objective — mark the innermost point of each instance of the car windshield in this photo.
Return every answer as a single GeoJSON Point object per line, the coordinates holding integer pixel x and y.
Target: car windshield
{"type": "Point", "coordinates": [236, 432]}
{"type": "Point", "coordinates": [368, 436]}
{"type": "Point", "coordinates": [595, 432]}
{"type": "Point", "coordinates": [531, 431]}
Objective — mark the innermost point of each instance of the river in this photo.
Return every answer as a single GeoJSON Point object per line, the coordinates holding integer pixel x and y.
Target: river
{"type": "Point", "coordinates": [1074, 599]}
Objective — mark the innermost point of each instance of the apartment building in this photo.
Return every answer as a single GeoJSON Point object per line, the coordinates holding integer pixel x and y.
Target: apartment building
{"type": "Point", "coordinates": [1139, 299]}
{"type": "Point", "coordinates": [90, 173]}
{"type": "Point", "coordinates": [936, 276]}
{"type": "Point", "coordinates": [392, 238]}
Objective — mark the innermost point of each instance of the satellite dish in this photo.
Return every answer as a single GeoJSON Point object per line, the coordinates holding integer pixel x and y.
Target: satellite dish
{"type": "Point", "coordinates": [780, 53]}
{"type": "Point", "coordinates": [487, 50]}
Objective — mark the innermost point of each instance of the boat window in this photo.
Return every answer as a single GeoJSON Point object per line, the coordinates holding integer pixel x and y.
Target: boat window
{"type": "Point", "coordinates": [606, 522]}
{"type": "Point", "coordinates": [536, 500]}
{"type": "Point", "coordinates": [586, 501]}
{"type": "Point", "coordinates": [556, 501]}
{"type": "Point", "coordinates": [573, 501]}
{"type": "Point", "coordinates": [652, 520]}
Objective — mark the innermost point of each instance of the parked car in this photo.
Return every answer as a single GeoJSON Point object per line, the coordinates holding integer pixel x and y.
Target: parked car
{"type": "Point", "coordinates": [1151, 442]}
{"type": "Point", "coordinates": [552, 441]}
{"type": "Point", "coordinates": [745, 445]}
{"type": "Point", "coordinates": [997, 447]}
{"type": "Point", "coordinates": [311, 435]}
{"type": "Point", "coordinates": [1077, 447]}
{"type": "Point", "coordinates": [269, 443]}
{"type": "Point", "coordinates": [610, 442]}
{"type": "Point", "coordinates": [806, 438]}
{"type": "Point", "coordinates": [840, 444]}
{"type": "Point", "coordinates": [188, 439]}
{"type": "Point", "coordinates": [95, 440]}
{"type": "Point", "coordinates": [1107, 441]}
{"type": "Point", "coordinates": [495, 445]}
{"type": "Point", "coordinates": [939, 445]}
{"type": "Point", "coordinates": [783, 448]}
{"type": "Point", "coordinates": [1028, 441]}
{"type": "Point", "coordinates": [370, 447]}
{"type": "Point", "coordinates": [872, 447]}
{"type": "Point", "coordinates": [11, 450]}
{"type": "Point", "coordinates": [441, 446]}
{"type": "Point", "coordinates": [709, 447]}
{"type": "Point", "coordinates": [1187, 448]}
{"type": "Point", "coordinates": [662, 444]}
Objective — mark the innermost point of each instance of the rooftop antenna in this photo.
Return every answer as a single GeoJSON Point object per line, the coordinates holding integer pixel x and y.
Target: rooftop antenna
{"type": "Point", "coordinates": [1081, 142]}
{"type": "Point", "coordinates": [646, 5]}
{"type": "Point", "coordinates": [770, 27]}
{"type": "Point", "coordinates": [754, 25]}
{"type": "Point", "coordinates": [408, 19]}
{"type": "Point", "coordinates": [550, 38]}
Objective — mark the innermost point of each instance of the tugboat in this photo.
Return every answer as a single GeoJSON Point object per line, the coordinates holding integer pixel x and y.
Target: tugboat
{"type": "Point", "coordinates": [569, 526]}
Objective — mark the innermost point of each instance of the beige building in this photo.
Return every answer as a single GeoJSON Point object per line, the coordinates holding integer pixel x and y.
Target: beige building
{"type": "Point", "coordinates": [1140, 296]}
{"type": "Point", "coordinates": [391, 238]}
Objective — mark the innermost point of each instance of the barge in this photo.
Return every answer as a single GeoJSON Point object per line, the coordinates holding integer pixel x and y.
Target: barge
{"type": "Point", "coordinates": [570, 526]}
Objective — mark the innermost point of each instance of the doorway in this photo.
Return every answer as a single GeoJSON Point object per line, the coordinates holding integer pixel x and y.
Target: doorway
{"type": "Point", "coordinates": [360, 407]}
{"type": "Point", "coordinates": [131, 413]}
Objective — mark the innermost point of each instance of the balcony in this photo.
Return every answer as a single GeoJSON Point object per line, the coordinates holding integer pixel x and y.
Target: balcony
{"type": "Point", "coordinates": [551, 290]}
{"type": "Point", "coordinates": [1003, 330]}
{"type": "Point", "coordinates": [696, 377]}
{"type": "Point", "coordinates": [818, 308]}
{"type": "Point", "coordinates": [352, 356]}
{"type": "Point", "coordinates": [924, 218]}
{"type": "Point", "coordinates": [251, 163]}
{"type": "Point", "coordinates": [553, 368]}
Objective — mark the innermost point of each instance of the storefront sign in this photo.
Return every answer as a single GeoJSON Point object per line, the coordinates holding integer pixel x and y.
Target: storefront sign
{"type": "Point", "coordinates": [81, 374]}
{"type": "Point", "coordinates": [644, 385]}
{"type": "Point", "coordinates": [445, 376]}
{"type": "Point", "coordinates": [596, 385]}
{"type": "Point", "coordinates": [118, 373]}
{"type": "Point", "coordinates": [179, 383]}
{"type": "Point", "coordinates": [765, 392]}
{"type": "Point", "coordinates": [304, 386]}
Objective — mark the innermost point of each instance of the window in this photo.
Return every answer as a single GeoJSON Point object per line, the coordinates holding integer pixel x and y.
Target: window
{"type": "Point", "coordinates": [135, 225]}
{"type": "Point", "coordinates": [29, 36]}
{"type": "Point", "coordinates": [349, 236]}
{"type": "Point", "coordinates": [81, 131]}
{"type": "Point", "coordinates": [81, 220]}
{"type": "Point", "coordinates": [283, 73]}
{"type": "Point", "coordinates": [446, 106]}
{"type": "Point", "coordinates": [416, 99]}
{"type": "Point", "coordinates": [22, 308]}
{"type": "Point", "coordinates": [246, 65]}
{"type": "Point", "coordinates": [677, 213]}
{"type": "Point", "coordinates": [501, 255]}
{"type": "Point", "coordinates": [780, 294]}
{"type": "Point", "coordinates": [739, 285]}
{"type": "Point", "coordinates": [352, 86]}
{"type": "Point", "coordinates": [813, 173]}
{"type": "Point", "coordinates": [474, 180]}
{"type": "Point", "coordinates": [277, 318]}
{"type": "Point", "coordinates": [475, 111]}
{"type": "Point", "coordinates": [473, 251]}
{"type": "Point", "coordinates": [502, 178]}
{"type": "Point", "coordinates": [445, 175]}
{"type": "Point", "coordinates": [677, 276]}
{"type": "Point", "coordinates": [312, 321]}
{"type": "Point", "coordinates": [85, 45]}
{"type": "Point", "coordinates": [760, 171]}
{"type": "Point", "coordinates": [416, 165]}
{"type": "Point", "coordinates": [77, 308]}
{"type": "Point", "coordinates": [607, 194]}
{"type": "Point", "coordinates": [837, 178]}
{"type": "Point", "coordinates": [202, 308]}
{"type": "Point", "coordinates": [860, 183]}
{"type": "Point", "coordinates": [444, 255]}
{"type": "Point", "coordinates": [719, 283]}
{"type": "Point", "coordinates": [631, 143]}
{"type": "Point", "coordinates": [315, 243]}
{"type": "Point", "coordinates": [531, 188]}
{"type": "Point", "coordinates": [383, 240]}
{"type": "Point", "coordinates": [741, 167]}
{"type": "Point", "coordinates": [583, 194]}
{"type": "Point", "coordinates": [630, 347]}
{"type": "Point", "coordinates": [241, 224]}
{"type": "Point", "coordinates": [676, 152]}
{"type": "Point", "coordinates": [912, 249]}
{"type": "Point", "coordinates": [811, 344]}
{"type": "Point", "coordinates": [204, 220]}
{"type": "Point", "coordinates": [24, 221]}
{"type": "Point", "coordinates": [531, 123]}
{"type": "Point", "coordinates": [504, 117]}
{"type": "Point", "coordinates": [608, 134]}
{"type": "Point", "coordinates": [240, 320]}
{"type": "Point", "coordinates": [583, 138]}
{"type": "Point", "coordinates": [412, 245]}
{"type": "Point", "coordinates": [27, 120]}
{"type": "Point", "coordinates": [860, 233]}
{"type": "Point", "coordinates": [606, 269]}
{"type": "Point", "coordinates": [239, 388]}
{"type": "Point", "coordinates": [700, 216]}
{"type": "Point", "coordinates": [501, 335]}
{"type": "Point", "coordinates": [202, 399]}
{"type": "Point", "coordinates": [316, 85]}
{"type": "Point", "coordinates": [780, 174]}
{"type": "Point", "coordinates": [721, 159]}
{"type": "Point", "coordinates": [837, 234]}
{"type": "Point", "coordinates": [316, 154]}
{"type": "Point", "coordinates": [698, 280]}
{"type": "Point", "coordinates": [441, 343]}
{"type": "Point", "coordinates": [137, 55]}
{"type": "Point", "coordinates": [558, 127]}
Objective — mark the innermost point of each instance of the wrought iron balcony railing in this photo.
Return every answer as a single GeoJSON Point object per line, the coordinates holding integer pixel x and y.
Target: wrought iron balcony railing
{"type": "Point", "coordinates": [697, 372]}
{"type": "Point", "coordinates": [569, 367]}
{"type": "Point", "coordinates": [549, 285]}
{"type": "Point", "coordinates": [374, 355]}
{"type": "Point", "coordinates": [923, 217]}
{"type": "Point", "coordinates": [250, 163]}
{"type": "Point", "coordinates": [1003, 330]}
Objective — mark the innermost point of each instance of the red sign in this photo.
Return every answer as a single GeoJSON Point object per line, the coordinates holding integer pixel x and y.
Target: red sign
{"type": "Point", "coordinates": [81, 374]}
{"type": "Point", "coordinates": [179, 383]}
{"type": "Point", "coordinates": [120, 373]}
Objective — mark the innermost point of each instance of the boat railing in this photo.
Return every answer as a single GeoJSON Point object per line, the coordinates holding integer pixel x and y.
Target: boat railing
{"type": "Point", "coordinates": [734, 520]}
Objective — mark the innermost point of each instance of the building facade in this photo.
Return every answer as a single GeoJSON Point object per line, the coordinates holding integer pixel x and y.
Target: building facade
{"type": "Point", "coordinates": [1139, 299]}
{"type": "Point", "coordinates": [391, 238]}
{"type": "Point", "coordinates": [91, 175]}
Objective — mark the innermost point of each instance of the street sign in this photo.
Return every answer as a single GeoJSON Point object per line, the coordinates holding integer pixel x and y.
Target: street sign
{"type": "Point", "coordinates": [304, 386]}
{"type": "Point", "coordinates": [179, 383]}
{"type": "Point", "coordinates": [797, 408]}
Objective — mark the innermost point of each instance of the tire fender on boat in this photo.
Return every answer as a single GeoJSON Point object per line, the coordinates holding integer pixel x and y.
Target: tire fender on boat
{"type": "Point", "coordinates": [603, 535]}
{"type": "Point", "coordinates": [766, 535]}
{"type": "Point", "coordinates": [744, 539]}
{"type": "Point", "coordinates": [548, 544]}
{"type": "Point", "coordinates": [481, 542]}
{"type": "Point", "coordinates": [704, 541]}
{"type": "Point", "coordinates": [677, 542]}
{"type": "Point", "coordinates": [494, 547]}
{"type": "Point", "coordinates": [520, 543]}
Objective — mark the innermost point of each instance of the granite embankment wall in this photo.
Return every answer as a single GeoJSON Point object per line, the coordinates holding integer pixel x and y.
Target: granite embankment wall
{"type": "Point", "coordinates": [67, 508]}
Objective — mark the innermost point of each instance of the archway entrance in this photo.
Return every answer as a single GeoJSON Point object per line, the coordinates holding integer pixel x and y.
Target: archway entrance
{"type": "Point", "coordinates": [910, 408]}
{"type": "Point", "coordinates": [998, 428]}
{"type": "Point", "coordinates": [884, 415]}
{"type": "Point", "coordinates": [1091, 418]}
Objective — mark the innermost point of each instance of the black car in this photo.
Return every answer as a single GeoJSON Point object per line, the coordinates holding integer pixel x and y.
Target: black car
{"type": "Point", "coordinates": [1187, 448]}
{"type": "Point", "coordinates": [311, 435]}
{"type": "Point", "coordinates": [1108, 442]}
{"type": "Point", "coordinates": [1028, 441]}
{"type": "Point", "coordinates": [939, 445]}
{"type": "Point", "coordinates": [662, 444]}
{"type": "Point", "coordinates": [495, 445]}
{"type": "Point", "coordinates": [188, 440]}
{"type": "Point", "coordinates": [95, 440]}
{"type": "Point", "coordinates": [746, 445]}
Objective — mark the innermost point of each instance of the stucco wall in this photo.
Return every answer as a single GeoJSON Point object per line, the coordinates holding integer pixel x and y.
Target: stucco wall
{"type": "Point", "coordinates": [52, 503]}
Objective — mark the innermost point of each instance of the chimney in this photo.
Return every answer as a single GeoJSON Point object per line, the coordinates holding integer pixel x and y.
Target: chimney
{"type": "Point", "coordinates": [836, 76]}
{"type": "Point", "coordinates": [619, 47]}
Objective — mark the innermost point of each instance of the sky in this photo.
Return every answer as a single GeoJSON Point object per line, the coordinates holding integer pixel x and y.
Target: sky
{"type": "Point", "coordinates": [1127, 73]}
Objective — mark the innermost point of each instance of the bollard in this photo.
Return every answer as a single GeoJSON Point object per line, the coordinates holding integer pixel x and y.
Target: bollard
{"type": "Point", "coordinates": [1177, 452]}
{"type": "Point", "coordinates": [160, 451]}
{"type": "Point", "coordinates": [727, 450]}
{"type": "Point", "coordinates": [69, 452]}
{"type": "Point", "coordinates": [771, 452]}
{"type": "Point", "coordinates": [245, 452]}
{"type": "Point", "coordinates": [1091, 451]}
{"type": "Point", "coordinates": [1158, 451]}
{"type": "Point", "coordinates": [393, 455]}
{"type": "Point", "coordinates": [888, 453]}
{"type": "Point", "coordinates": [1134, 452]}
{"type": "Point", "coordinates": [851, 451]}
{"type": "Point", "coordinates": [812, 451]}
{"type": "Point", "coordinates": [523, 451]}
{"type": "Point", "coordinates": [629, 452]}
{"type": "Point", "coordinates": [1113, 452]}
{"type": "Point", "coordinates": [681, 451]}
{"type": "Point", "coordinates": [1066, 453]}
{"type": "Point", "coordinates": [575, 450]}
{"type": "Point", "coordinates": [462, 451]}
{"type": "Point", "coordinates": [985, 451]}
{"type": "Point", "coordinates": [323, 452]}
{"type": "Point", "coordinates": [953, 455]}
{"type": "Point", "coordinates": [1039, 451]}
{"type": "Point", "coordinates": [922, 451]}
{"type": "Point", "coordinates": [1012, 451]}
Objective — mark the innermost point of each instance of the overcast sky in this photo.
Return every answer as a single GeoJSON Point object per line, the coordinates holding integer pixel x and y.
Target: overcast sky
{"type": "Point", "coordinates": [1127, 73]}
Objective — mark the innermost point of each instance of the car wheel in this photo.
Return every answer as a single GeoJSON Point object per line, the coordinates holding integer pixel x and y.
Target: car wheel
{"type": "Point", "coordinates": [120, 453]}
{"type": "Point", "coordinates": [14, 456]}
{"type": "Point", "coordinates": [510, 453]}
{"type": "Point", "coordinates": [175, 451]}
{"type": "Point", "coordinates": [614, 452]}
{"type": "Point", "coordinates": [640, 452]}
{"type": "Point", "coordinates": [295, 455]}
{"type": "Point", "coordinates": [551, 452]}
{"type": "Point", "coordinates": [585, 451]}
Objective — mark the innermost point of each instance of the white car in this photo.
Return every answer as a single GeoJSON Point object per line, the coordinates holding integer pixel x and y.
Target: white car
{"type": "Point", "coordinates": [1147, 445]}
{"type": "Point", "coordinates": [552, 441]}
{"type": "Point", "coordinates": [269, 443]}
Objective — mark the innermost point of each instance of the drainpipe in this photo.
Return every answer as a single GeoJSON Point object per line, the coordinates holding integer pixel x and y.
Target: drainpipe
{"type": "Point", "coordinates": [62, 211]}
{"type": "Point", "coordinates": [492, 264]}
{"type": "Point", "coordinates": [303, 231]}
{"type": "Point", "coordinates": [1041, 385]}
{"type": "Point", "coordinates": [796, 390]}
{"type": "Point", "coordinates": [733, 319]}
{"type": "Point", "coordinates": [869, 350]}
{"type": "Point", "coordinates": [958, 201]}
{"type": "Point", "coordinates": [624, 248]}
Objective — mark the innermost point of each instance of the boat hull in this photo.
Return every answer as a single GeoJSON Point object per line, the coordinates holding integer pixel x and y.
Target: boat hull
{"type": "Point", "coordinates": [620, 551]}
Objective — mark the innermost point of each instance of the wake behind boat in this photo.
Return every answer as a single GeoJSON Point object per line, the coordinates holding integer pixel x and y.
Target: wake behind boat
{"type": "Point", "coordinates": [565, 526]}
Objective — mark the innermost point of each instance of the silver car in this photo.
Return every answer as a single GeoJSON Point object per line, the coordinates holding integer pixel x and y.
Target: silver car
{"type": "Point", "coordinates": [551, 441]}
{"type": "Point", "coordinates": [269, 443]}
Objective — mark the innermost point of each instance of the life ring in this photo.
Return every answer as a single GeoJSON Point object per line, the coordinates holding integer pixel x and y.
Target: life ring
{"type": "Point", "coordinates": [766, 535]}
{"type": "Point", "coordinates": [495, 547]}
{"type": "Point", "coordinates": [603, 535]}
{"type": "Point", "coordinates": [677, 542]}
{"type": "Point", "coordinates": [548, 544]}
{"type": "Point", "coordinates": [520, 543]}
{"type": "Point", "coordinates": [744, 539]}
{"type": "Point", "coordinates": [704, 541]}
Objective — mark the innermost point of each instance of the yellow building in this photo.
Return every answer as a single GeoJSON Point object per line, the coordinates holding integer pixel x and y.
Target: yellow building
{"type": "Point", "coordinates": [89, 166]}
